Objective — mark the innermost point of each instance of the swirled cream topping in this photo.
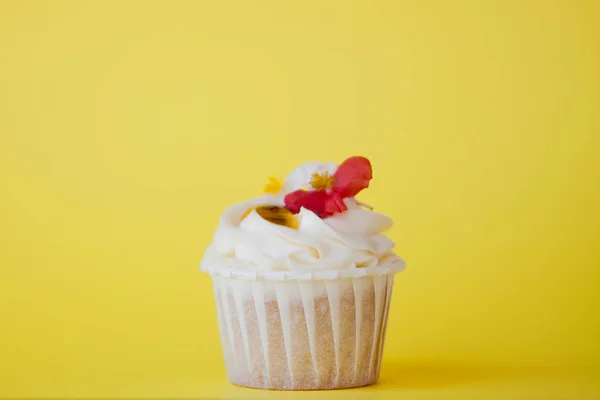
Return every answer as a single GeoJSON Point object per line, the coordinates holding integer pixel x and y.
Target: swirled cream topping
{"type": "Point", "coordinates": [261, 235]}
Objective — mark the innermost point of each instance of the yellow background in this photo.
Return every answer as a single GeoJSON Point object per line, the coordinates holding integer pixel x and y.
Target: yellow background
{"type": "Point", "coordinates": [127, 127]}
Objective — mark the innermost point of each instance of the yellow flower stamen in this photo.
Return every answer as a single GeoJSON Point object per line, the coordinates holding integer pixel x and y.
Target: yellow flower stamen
{"type": "Point", "coordinates": [321, 181]}
{"type": "Point", "coordinates": [273, 186]}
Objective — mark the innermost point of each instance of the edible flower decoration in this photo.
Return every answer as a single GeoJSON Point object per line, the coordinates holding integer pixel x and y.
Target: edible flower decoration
{"type": "Point", "coordinates": [273, 186]}
{"type": "Point", "coordinates": [326, 194]}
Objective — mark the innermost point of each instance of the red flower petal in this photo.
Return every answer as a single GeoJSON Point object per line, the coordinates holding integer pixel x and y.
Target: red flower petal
{"type": "Point", "coordinates": [352, 176]}
{"type": "Point", "coordinates": [323, 204]}
{"type": "Point", "coordinates": [311, 200]}
{"type": "Point", "coordinates": [334, 203]}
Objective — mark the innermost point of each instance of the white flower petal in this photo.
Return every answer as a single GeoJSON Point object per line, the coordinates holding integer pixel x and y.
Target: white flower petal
{"type": "Point", "coordinates": [302, 176]}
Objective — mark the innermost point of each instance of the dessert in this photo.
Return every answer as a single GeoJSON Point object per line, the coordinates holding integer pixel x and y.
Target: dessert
{"type": "Point", "coordinates": [303, 278]}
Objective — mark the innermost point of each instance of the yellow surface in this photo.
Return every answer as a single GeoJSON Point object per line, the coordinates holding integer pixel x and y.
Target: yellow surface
{"type": "Point", "coordinates": [127, 127]}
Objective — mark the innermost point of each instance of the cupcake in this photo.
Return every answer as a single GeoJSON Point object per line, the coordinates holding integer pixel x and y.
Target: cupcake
{"type": "Point", "coordinates": [302, 278]}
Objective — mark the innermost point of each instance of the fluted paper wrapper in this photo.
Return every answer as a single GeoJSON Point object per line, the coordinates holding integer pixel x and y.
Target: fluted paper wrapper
{"type": "Point", "coordinates": [303, 335]}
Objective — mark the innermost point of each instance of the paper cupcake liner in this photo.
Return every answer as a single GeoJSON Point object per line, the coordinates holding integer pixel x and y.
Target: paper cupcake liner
{"type": "Point", "coordinates": [304, 276]}
{"type": "Point", "coordinates": [303, 335]}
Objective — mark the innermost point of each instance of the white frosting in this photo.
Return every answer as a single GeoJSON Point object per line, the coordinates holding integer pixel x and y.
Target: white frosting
{"type": "Point", "coordinates": [344, 242]}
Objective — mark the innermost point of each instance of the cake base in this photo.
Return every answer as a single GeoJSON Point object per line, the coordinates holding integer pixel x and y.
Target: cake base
{"type": "Point", "coordinates": [296, 335]}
